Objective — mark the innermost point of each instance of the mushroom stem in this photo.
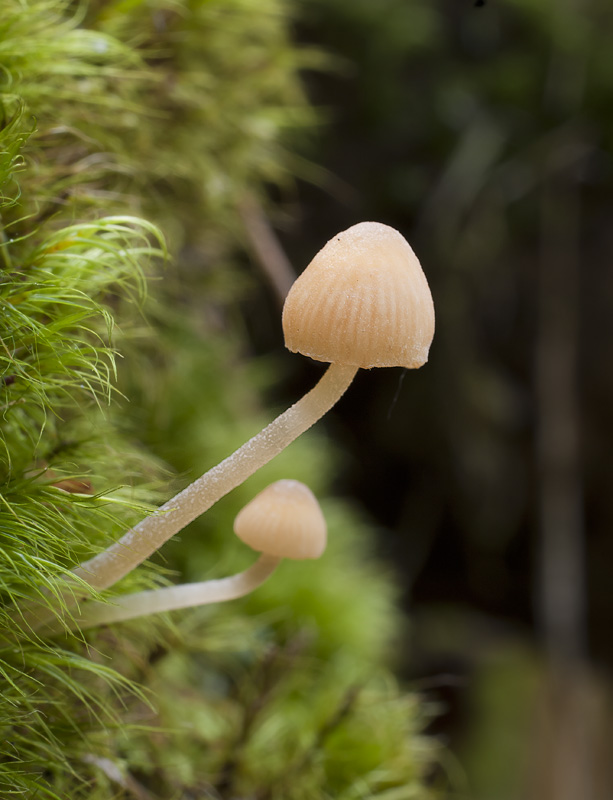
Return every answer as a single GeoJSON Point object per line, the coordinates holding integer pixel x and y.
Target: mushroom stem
{"type": "Point", "coordinates": [150, 534]}
{"type": "Point", "coordinates": [171, 598]}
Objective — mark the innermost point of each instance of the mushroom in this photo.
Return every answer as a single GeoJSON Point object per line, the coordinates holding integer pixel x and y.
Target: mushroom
{"type": "Point", "coordinates": [363, 301]}
{"type": "Point", "coordinates": [283, 521]}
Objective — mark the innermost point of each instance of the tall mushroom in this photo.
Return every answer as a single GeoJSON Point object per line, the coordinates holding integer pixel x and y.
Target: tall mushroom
{"type": "Point", "coordinates": [363, 301]}
{"type": "Point", "coordinates": [283, 521]}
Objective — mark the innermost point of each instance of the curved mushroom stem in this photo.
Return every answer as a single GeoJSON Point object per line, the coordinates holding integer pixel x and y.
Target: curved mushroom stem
{"type": "Point", "coordinates": [170, 598]}
{"type": "Point", "coordinates": [150, 534]}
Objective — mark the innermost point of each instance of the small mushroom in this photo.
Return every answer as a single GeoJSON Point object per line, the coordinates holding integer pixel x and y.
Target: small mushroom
{"type": "Point", "coordinates": [362, 302]}
{"type": "Point", "coordinates": [283, 521]}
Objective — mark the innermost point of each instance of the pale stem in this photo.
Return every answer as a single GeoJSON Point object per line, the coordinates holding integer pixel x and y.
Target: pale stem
{"type": "Point", "coordinates": [150, 534]}
{"type": "Point", "coordinates": [170, 598]}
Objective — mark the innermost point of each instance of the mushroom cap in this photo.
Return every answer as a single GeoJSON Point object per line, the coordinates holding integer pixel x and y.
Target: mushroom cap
{"type": "Point", "coordinates": [363, 301]}
{"type": "Point", "coordinates": [284, 520]}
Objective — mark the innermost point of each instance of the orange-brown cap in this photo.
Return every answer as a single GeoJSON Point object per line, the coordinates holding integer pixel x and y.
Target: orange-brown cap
{"type": "Point", "coordinates": [284, 520]}
{"type": "Point", "coordinates": [363, 301]}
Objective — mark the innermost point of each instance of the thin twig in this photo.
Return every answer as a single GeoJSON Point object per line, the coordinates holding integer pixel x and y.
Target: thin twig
{"type": "Point", "coordinates": [266, 248]}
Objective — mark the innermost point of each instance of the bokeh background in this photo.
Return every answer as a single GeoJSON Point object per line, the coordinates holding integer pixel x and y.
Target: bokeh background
{"type": "Point", "coordinates": [483, 132]}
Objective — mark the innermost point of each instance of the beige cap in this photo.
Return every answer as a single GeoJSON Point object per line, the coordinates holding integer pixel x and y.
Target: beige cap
{"type": "Point", "coordinates": [284, 520]}
{"type": "Point", "coordinates": [363, 301]}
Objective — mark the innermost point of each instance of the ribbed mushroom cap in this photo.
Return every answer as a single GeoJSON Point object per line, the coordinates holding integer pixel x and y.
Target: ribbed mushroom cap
{"type": "Point", "coordinates": [284, 520]}
{"type": "Point", "coordinates": [363, 301]}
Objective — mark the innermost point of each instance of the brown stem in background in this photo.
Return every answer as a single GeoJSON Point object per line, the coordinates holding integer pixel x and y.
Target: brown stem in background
{"type": "Point", "coordinates": [567, 760]}
{"type": "Point", "coordinates": [562, 569]}
{"type": "Point", "coordinates": [561, 589]}
{"type": "Point", "coordinates": [266, 248]}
